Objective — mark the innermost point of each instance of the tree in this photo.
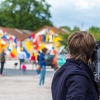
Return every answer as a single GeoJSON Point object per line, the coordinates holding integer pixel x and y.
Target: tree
{"type": "Point", "coordinates": [64, 37]}
{"type": "Point", "coordinates": [95, 31]}
{"type": "Point", "coordinates": [25, 14]}
{"type": "Point", "coordinates": [63, 40]}
{"type": "Point", "coordinates": [67, 28]}
{"type": "Point", "coordinates": [75, 29]}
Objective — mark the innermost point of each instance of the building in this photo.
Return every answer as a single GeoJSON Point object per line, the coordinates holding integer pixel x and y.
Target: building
{"type": "Point", "coordinates": [12, 39]}
{"type": "Point", "coordinates": [46, 36]}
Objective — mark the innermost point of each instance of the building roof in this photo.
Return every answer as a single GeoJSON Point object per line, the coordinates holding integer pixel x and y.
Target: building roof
{"type": "Point", "coordinates": [19, 33]}
{"type": "Point", "coordinates": [56, 30]}
{"type": "Point", "coordinates": [24, 34]}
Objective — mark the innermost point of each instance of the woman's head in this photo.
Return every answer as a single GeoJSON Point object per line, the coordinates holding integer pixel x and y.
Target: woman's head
{"type": "Point", "coordinates": [81, 45]}
{"type": "Point", "coordinates": [44, 50]}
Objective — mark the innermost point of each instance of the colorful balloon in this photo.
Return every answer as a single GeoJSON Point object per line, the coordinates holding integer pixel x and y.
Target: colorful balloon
{"type": "Point", "coordinates": [29, 46]}
{"type": "Point", "coordinates": [12, 55]}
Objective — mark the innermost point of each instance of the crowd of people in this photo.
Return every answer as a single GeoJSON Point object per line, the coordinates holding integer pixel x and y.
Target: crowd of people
{"type": "Point", "coordinates": [38, 63]}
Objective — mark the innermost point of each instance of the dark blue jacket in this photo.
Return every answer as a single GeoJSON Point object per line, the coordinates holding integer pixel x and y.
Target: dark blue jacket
{"type": "Point", "coordinates": [42, 61]}
{"type": "Point", "coordinates": [74, 81]}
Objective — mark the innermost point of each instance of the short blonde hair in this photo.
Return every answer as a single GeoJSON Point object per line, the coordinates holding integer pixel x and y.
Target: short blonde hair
{"type": "Point", "coordinates": [81, 45]}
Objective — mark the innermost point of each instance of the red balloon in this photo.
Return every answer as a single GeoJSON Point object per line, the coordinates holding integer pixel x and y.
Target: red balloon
{"type": "Point", "coordinates": [36, 42]}
{"type": "Point", "coordinates": [10, 38]}
{"type": "Point", "coordinates": [36, 47]}
{"type": "Point", "coordinates": [12, 55]}
{"type": "Point", "coordinates": [33, 36]}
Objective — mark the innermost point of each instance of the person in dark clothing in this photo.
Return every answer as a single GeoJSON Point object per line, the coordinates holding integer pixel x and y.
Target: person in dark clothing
{"type": "Point", "coordinates": [75, 79]}
{"type": "Point", "coordinates": [2, 60]}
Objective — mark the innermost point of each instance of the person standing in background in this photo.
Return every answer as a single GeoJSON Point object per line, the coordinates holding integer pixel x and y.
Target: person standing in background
{"type": "Point", "coordinates": [2, 60]}
{"type": "Point", "coordinates": [33, 60]}
{"type": "Point", "coordinates": [21, 57]}
{"type": "Point", "coordinates": [42, 64]}
{"type": "Point", "coordinates": [24, 68]}
{"type": "Point", "coordinates": [37, 64]}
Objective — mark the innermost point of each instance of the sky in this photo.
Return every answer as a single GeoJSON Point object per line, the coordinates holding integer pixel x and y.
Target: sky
{"type": "Point", "coordinates": [81, 13]}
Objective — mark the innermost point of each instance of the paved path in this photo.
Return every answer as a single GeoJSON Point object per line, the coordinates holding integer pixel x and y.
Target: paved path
{"type": "Point", "coordinates": [24, 88]}
{"type": "Point", "coordinates": [10, 65]}
{"type": "Point", "coordinates": [16, 86]}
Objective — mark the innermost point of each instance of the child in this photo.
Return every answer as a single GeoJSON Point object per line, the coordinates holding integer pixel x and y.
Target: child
{"type": "Point", "coordinates": [24, 68]}
{"type": "Point", "coordinates": [33, 60]}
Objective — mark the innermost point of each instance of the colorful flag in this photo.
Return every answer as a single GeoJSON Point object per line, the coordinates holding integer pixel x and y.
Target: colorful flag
{"type": "Point", "coordinates": [4, 37]}
{"type": "Point", "coordinates": [47, 37]}
{"type": "Point", "coordinates": [30, 37]}
{"type": "Point", "coordinates": [27, 54]}
{"type": "Point", "coordinates": [15, 41]}
{"type": "Point", "coordinates": [44, 38]}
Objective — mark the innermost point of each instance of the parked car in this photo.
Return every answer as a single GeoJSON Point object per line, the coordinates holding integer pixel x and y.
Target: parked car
{"type": "Point", "coordinates": [49, 60]}
{"type": "Point", "coordinates": [56, 61]}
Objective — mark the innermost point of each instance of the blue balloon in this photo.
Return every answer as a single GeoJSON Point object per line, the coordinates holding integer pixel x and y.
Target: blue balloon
{"type": "Point", "coordinates": [27, 54]}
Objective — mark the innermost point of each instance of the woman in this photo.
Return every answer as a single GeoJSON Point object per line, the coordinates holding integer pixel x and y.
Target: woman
{"type": "Point", "coordinates": [33, 60]}
{"type": "Point", "coordinates": [21, 57]}
{"type": "Point", "coordinates": [2, 60]}
{"type": "Point", "coordinates": [75, 80]}
{"type": "Point", "coordinates": [42, 64]}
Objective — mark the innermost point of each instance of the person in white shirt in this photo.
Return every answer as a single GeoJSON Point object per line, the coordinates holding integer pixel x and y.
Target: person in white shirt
{"type": "Point", "coordinates": [21, 57]}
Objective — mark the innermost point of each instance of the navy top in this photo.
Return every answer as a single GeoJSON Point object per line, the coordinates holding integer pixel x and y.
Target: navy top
{"type": "Point", "coordinates": [42, 61]}
{"type": "Point", "coordinates": [74, 81]}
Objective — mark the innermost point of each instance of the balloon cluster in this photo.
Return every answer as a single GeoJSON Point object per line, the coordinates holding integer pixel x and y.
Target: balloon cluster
{"type": "Point", "coordinates": [35, 42]}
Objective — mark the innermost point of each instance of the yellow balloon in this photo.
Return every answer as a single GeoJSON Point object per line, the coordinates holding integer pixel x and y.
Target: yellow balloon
{"type": "Point", "coordinates": [29, 46]}
{"type": "Point", "coordinates": [56, 39]}
{"type": "Point", "coordinates": [41, 46]}
{"type": "Point", "coordinates": [14, 51]}
{"type": "Point", "coordinates": [6, 46]}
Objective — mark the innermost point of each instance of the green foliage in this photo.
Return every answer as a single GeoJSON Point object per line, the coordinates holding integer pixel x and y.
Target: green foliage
{"type": "Point", "coordinates": [25, 14]}
{"type": "Point", "coordinates": [75, 29]}
{"type": "Point", "coordinates": [64, 38]}
{"type": "Point", "coordinates": [67, 28]}
{"type": "Point", "coordinates": [95, 31]}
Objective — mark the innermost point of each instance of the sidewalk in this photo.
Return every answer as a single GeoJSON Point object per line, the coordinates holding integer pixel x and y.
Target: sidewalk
{"type": "Point", "coordinates": [16, 86]}
{"type": "Point", "coordinates": [10, 65]}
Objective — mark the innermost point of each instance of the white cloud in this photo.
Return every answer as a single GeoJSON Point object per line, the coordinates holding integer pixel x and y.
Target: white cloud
{"type": "Point", "coordinates": [75, 12]}
{"type": "Point", "coordinates": [82, 4]}
{"type": "Point", "coordinates": [74, 4]}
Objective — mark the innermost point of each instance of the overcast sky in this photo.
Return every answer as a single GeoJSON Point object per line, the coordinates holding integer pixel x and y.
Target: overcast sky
{"type": "Point", "coordinates": [75, 13]}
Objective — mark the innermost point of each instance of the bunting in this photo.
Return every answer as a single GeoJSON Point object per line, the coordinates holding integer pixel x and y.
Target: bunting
{"type": "Point", "coordinates": [34, 42]}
